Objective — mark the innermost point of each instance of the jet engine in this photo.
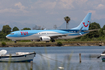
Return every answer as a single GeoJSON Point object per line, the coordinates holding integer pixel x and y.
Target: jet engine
{"type": "Point", "coordinates": [45, 38]}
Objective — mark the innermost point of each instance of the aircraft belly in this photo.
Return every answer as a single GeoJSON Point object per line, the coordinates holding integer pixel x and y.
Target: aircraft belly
{"type": "Point", "coordinates": [68, 37]}
{"type": "Point", "coordinates": [32, 37]}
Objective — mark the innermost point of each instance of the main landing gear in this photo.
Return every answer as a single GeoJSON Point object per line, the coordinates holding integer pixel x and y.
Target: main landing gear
{"type": "Point", "coordinates": [14, 41]}
{"type": "Point", "coordinates": [52, 40]}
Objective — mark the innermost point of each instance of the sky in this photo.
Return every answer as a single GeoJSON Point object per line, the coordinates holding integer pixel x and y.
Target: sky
{"type": "Point", "coordinates": [47, 13]}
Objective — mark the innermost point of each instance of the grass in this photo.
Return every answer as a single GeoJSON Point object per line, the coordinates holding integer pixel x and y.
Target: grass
{"type": "Point", "coordinates": [44, 65]}
{"type": "Point", "coordinates": [14, 66]}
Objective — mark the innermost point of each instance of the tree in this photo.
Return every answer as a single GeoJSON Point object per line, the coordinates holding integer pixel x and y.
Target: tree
{"type": "Point", "coordinates": [26, 28]}
{"type": "Point", "coordinates": [2, 35]}
{"type": "Point", "coordinates": [90, 35]}
{"type": "Point", "coordinates": [103, 27]}
{"type": "Point", "coordinates": [67, 19]}
{"type": "Point", "coordinates": [101, 33]}
{"type": "Point", "coordinates": [6, 29]}
{"type": "Point", "coordinates": [94, 25]}
{"type": "Point", "coordinates": [15, 29]}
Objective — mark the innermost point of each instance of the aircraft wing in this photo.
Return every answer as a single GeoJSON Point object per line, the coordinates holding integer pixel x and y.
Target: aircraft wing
{"type": "Point", "coordinates": [56, 36]}
{"type": "Point", "coordinates": [91, 30]}
{"type": "Point", "coordinates": [94, 30]}
{"type": "Point", "coordinates": [63, 35]}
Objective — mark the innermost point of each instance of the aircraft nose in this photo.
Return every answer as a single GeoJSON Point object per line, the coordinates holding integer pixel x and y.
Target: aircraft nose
{"type": "Point", "coordinates": [7, 36]}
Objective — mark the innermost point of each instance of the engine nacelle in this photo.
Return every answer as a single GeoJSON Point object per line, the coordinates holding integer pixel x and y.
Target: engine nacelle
{"type": "Point", "coordinates": [45, 38]}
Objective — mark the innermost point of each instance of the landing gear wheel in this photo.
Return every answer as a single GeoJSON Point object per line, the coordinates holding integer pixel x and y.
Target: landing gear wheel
{"type": "Point", "coordinates": [52, 40]}
{"type": "Point", "coordinates": [47, 41]}
{"type": "Point", "coordinates": [14, 41]}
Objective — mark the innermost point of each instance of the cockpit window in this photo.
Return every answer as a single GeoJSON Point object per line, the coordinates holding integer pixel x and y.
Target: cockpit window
{"type": "Point", "coordinates": [12, 33]}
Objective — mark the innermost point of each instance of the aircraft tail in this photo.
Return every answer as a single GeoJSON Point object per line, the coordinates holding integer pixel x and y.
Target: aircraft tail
{"type": "Point", "coordinates": [84, 25]}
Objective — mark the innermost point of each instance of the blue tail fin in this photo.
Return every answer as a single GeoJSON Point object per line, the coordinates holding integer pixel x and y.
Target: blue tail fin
{"type": "Point", "coordinates": [85, 23]}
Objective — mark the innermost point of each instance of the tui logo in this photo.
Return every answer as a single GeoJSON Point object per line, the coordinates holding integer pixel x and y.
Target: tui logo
{"type": "Point", "coordinates": [85, 25]}
{"type": "Point", "coordinates": [24, 33]}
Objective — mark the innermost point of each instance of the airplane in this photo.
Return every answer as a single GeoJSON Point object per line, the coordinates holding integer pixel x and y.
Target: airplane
{"type": "Point", "coordinates": [51, 35]}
